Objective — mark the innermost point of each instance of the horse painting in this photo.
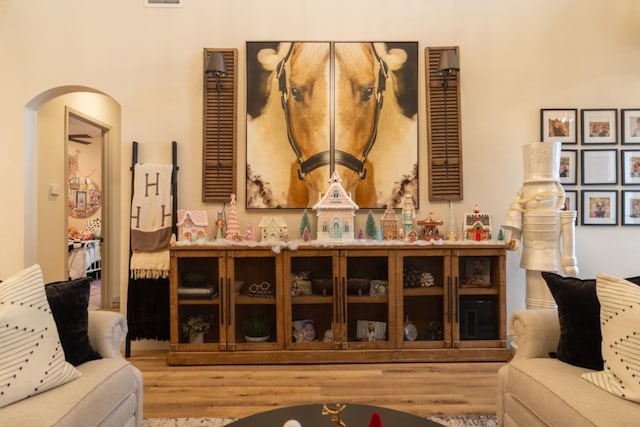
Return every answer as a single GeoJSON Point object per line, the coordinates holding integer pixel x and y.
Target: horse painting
{"type": "Point", "coordinates": [325, 107]}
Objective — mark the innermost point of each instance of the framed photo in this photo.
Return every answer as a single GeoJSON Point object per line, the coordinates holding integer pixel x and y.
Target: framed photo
{"type": "Point", "coordinates": [568, 167]}
{"type": "Point", "coordinates": [630, 160]}
{"type": "Point", "coordinates": [599, 167]}
{"type": "Point", "coordinates": [81, 200]}
{"type": "Point", "coordinates": [477, 272]}
{"type": "Point", "coordinates": [599, 126]}
{"type": "Point", "coordinates": [558, 124]}
{"type": "Point", "coordinates": [600, 207]}
{"type": "Point", "coordinates": [630, 118]}
{"type": "Point", "coordinates": [570, 200]}
{"type": "Point", "coordinates": [630, 207]}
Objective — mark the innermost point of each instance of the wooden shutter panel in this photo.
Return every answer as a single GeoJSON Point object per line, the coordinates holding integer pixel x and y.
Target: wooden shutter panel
{"type": "Point", "coordinates": [444, 142]}
{"type": "Point", "coordinates": [219, 156]}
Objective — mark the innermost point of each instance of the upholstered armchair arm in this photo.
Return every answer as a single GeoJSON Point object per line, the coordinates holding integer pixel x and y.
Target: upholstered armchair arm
{"type": "Point", "coordinates": [535, 332]}
{"type": "Point", "coordinates": [107, 332]}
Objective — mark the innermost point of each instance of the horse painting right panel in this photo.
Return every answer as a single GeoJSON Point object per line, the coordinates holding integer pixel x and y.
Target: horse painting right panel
{"type": "Point", "coordinates": [315, 107]}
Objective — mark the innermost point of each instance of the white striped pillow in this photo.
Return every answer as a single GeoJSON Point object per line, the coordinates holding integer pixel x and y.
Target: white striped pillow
{"type": "Point", "coordinates": [31, 357]}
{"type": "Point", "coordinates": [620, 323]}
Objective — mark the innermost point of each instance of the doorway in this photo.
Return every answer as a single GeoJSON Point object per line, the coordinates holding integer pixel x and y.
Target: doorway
{"type": "Point", "coordinates": [84, 190]}
{"type": "Point", "coordinates": [46, 180]}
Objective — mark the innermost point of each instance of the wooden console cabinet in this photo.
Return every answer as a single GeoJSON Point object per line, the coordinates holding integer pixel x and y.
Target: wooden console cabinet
{"type": "Point", "coordinates": [429, 303]}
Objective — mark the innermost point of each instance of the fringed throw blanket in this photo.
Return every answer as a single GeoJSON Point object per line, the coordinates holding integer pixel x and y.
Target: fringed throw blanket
{"type": "Point", "coordinates": [150, 265]}
{"type": "Point", "coordinates": [151, 221]}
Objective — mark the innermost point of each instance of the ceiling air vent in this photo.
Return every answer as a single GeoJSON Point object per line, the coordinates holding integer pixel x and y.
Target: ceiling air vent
{"type": "Point", "coordinates": [163, 3]}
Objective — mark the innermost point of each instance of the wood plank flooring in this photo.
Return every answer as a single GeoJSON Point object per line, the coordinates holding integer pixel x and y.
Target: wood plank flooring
{"type": "Point", "coordinates": [238, 391]}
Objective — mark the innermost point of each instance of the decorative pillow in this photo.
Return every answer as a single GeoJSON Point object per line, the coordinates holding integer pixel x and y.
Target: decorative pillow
{"type": "Point", "coordinates": [31, 357]}
{"type": "Point", "coordinates": [579, 316]}
{"type": "Point", "coordinates": [69, 302]}
{"type": "Point", "coordinates": [620, 320]}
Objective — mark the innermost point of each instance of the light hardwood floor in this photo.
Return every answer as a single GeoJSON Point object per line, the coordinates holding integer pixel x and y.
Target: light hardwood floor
{"type": "Point", "coordinates": [238, 391]}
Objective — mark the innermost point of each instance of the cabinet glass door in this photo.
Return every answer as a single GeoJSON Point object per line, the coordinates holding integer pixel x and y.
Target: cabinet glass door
{"type": "Point", "coordinates": [196, 296]}
{"type": "Point", "coordinates": [311, 299]}
{"type": "Point", "coordinates": [479, 297]}
{"type": "Point", "coordinates": [367, 313]}
{"type": "Point", "coordinates": [424, 285]}
{"type": "Point", "coordinates": [253, 299]}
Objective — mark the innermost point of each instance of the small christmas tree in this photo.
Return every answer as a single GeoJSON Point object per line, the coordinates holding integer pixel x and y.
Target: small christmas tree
{"type": "Point", "coordinates": [370, 226]}
{"type": "Point", "coordinates": [233, 227]}
{"type": "Point", "coordinates": [361, 234]}
{"type": "Point", "coordinates": [304, 223]}
{"type": "Point", "coordinates": [306, 236]}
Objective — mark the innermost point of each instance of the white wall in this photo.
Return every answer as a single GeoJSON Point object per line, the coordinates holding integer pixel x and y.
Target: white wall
{"type": "Point", "coordinates": [516, 57]}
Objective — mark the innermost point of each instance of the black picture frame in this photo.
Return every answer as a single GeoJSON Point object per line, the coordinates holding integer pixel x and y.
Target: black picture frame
{"type": "Point", "coordinates": [630, 167]}
{"type": "Point", "coordinates": [570, 200]}
{"type": "Point", "coordinates": [599, 167]}
{"type": "Point", "coordinates": [559, 124]}
{"type": "Point", "coordinates": [599, 207]}
{"type": "Point", "coordinates": [599, 125]}
{"type": "Point", "coordinates": [568, 167]}
{"type": "Point", "coordinates": [630, 207]}
{"type": "Point", "coordinates": [630, 125]}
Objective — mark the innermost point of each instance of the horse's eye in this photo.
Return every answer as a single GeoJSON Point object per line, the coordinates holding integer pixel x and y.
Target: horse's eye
{"type": "Point", "coordinates": [297, 94]}
{"type": "Point", "coordinates": [367, 94]}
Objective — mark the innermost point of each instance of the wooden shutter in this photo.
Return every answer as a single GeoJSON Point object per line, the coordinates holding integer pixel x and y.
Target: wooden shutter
{"type": "Point", "coordinates": [444, 142]}
{"type": "Point", "coordinates": [219, 155]}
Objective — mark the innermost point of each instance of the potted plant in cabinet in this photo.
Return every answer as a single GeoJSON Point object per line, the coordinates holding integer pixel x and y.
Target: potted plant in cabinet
{"type": "Point", "coordinates": [256, 329]}
{"type": "Point", "coordinates": [194, 328]}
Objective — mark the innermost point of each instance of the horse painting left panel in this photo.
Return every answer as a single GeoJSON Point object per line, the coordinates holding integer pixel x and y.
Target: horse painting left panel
{"type": "Point", "coordinates": [288, 125]}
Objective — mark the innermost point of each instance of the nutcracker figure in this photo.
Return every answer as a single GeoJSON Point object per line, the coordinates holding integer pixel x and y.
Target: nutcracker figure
{"type": "Point", "coordinates": [536, 217]}
{"type": "Point", "coordinates": [408, 215]}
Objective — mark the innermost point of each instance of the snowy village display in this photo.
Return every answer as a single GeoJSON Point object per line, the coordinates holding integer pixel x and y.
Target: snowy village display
{"type": "Point", "coordinates": [192, 225]}
{"type": "Point", "coordinates": [273, 229]}
{"type": "Point", "coordinates": [477, 225]}
{"type": "Point", "coordinates": [430, 227]}
{"type": "Point", "coordinates": [335, 212]}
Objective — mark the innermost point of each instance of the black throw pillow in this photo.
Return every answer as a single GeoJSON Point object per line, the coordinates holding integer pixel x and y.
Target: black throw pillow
{"type": "Point", "coordinates": [579, 316]}
{"type": "Point", "coordinates": [69, 302]}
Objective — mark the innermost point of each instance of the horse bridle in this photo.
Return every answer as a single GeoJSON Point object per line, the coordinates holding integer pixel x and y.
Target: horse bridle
{"type": "Point", "coordinates": [340, 157]}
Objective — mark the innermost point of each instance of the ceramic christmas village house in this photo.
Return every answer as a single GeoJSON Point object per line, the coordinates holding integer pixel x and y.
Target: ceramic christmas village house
{"type": "Point", "coordinates": [192, 225]}
{"type": "Point", "coordinates": [273, 229]}
{"type": "Point", "coordinates": [389, 224]}
{"type": "Point", "coordinates": [477, 225]}
{"type": "Point", "coordinates": [336, 212]}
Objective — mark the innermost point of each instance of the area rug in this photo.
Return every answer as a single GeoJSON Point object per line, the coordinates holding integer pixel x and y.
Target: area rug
{"type": "Point", "coordinates": [448, 421]}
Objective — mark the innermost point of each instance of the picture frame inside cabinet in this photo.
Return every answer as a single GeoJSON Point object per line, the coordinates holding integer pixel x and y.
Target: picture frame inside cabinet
{"type": "Point", "coordinates": [599, 126]}
{"type": "Point", "coordinates": [630, 165]}
{"type": "Point", "coordinates": [630, 120]}
{"type": "Point", "coordinates": [599, 207]}
{"type": "Point", "coordinates": [630, 207]}
{"type": "Point", "coordinates": [476, 273]}
{"type": "Point", "coordinates": [568, 167]}
{"type": "Point", "coordinates": [558, 124]}
{"type": "Point", "coordinates": [599, 167]}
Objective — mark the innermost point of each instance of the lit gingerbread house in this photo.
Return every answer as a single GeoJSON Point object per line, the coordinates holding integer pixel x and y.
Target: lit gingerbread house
{"type": "Point", "coordinates": [336, 212]}
{"type": "Point", "coordinates": [389, 224]}
{"type": "Point", "coordinates": [192, 225]}
{"type": "Point", "coordinates": [477, 225]}
{"type": "Point", "coordinates": [273, 229]}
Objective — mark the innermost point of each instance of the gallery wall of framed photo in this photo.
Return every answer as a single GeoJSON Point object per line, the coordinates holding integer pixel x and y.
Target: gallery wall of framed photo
{"type": "Point", "coordinates": [599, 162]}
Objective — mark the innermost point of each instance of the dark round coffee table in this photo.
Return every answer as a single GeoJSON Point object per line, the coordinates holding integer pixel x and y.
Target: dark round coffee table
{"type": "Point", "coordinates": [354, 415]}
